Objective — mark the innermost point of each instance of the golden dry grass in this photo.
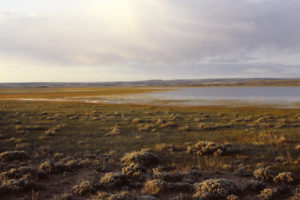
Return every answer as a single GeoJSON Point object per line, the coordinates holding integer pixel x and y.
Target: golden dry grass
{"type": "Point", "coordinates": [71, 92]}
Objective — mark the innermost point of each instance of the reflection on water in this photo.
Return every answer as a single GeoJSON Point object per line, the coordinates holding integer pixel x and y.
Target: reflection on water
{"type": "Point", "coordinates": [271, 96]}
{"type": "Point", "coordinates": [229, 96]}
{"type": "Point", "coordinates": [232, 93]}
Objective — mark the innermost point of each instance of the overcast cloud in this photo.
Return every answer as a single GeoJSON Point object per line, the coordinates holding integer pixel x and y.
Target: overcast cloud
{"type": "Point", "coordinates": [109, 40]}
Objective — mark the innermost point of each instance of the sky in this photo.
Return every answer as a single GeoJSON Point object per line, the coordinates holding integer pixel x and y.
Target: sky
{"type": "Point", "coordinates": [127, 40]}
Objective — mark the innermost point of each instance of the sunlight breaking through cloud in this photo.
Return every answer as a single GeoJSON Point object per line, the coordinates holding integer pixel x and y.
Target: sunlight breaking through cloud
{"type": "Point", "coordinates": [150, 39]}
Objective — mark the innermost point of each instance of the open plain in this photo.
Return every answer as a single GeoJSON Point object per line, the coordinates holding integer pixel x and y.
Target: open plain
{"type": "Point", "coordinates": [77, 150]}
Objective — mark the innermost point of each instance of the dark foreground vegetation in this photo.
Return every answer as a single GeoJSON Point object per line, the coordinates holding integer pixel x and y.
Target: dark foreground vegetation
{"type": "Point", "coordinates": [65, 150]}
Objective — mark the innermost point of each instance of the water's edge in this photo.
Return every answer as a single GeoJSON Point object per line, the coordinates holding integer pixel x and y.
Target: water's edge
{"type": "Point", "coordinates": [285, 97]}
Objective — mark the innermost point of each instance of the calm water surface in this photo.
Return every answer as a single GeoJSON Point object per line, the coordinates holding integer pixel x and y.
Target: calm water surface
{"type": "Point", "coordinates": [277, 96]}
{"type": "Point", "coordinates": [228, 96]}
{"type": "Point", "coordinates": [232, 93]}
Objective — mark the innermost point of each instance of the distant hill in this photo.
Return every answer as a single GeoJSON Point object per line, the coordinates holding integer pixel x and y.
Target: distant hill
{"type": "Point", "coordinates": [179, 82]}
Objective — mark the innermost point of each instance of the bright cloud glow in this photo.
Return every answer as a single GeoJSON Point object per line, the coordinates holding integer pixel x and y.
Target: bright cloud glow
{"type": "Point", "coordinates": [111, 40]}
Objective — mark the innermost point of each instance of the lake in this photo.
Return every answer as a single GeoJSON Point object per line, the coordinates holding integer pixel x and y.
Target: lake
{"type": "Point", "coordinates": [232, 93]}
{"type": "Point", "coordinates": [288, 97]}
{"type": "Point", "coordinates": [284, 96]}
